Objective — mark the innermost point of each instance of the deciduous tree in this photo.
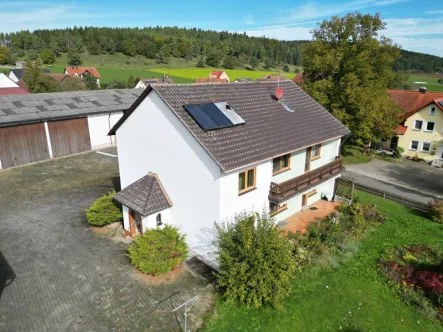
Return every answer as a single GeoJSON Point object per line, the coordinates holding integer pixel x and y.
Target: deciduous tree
{"type": "Point", "coordinates": [47, 56]}
{"type": "Point", "coordinates": [348, 68]}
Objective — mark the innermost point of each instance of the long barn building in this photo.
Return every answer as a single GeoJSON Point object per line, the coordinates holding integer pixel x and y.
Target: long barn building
{"type": "Point", "coordinates": [36, 127]}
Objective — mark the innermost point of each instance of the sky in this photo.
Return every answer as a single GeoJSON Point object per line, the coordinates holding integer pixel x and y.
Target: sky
{"type": "Point", "coordinates": [415, 25]}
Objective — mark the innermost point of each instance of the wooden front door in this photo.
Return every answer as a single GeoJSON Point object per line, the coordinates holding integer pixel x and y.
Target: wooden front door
{"type": "Point", "coordinates": [304, 201]}
{"type": "Point", "coordinates": [132, 225]}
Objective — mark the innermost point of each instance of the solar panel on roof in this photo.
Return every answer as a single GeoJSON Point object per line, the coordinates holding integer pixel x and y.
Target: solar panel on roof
{"type": "Point", "coordinates": [200, 116]}
{"type": "Point", "coordinates": [212, 116]}
{"type": "Point", "coordinates": [441, 103]}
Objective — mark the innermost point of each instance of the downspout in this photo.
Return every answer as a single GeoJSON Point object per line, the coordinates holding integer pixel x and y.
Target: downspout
{"type": "Point", "coordinates": [343, 142]}
{"type": "Point", "coordinates": [109, 127]}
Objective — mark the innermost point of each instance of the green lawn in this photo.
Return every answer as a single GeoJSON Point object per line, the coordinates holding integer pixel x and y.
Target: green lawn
{"type": "Point", "coordinates": [431, 85]}
{"type": "Point", "coordinates": [351, 296]}
{"type": "Point", "coordinates": [352, 154]}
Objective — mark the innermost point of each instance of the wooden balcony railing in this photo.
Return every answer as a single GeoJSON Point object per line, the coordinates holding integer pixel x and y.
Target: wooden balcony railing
{"type": "Point", "coordinates": [283, 191]}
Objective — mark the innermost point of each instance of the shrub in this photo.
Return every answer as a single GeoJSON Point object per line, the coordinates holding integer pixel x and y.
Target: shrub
{"type": "Point", "coordinates": [104, 211]}
{"type": "Point", "coordinates": [435, 210]}
{"type": "Point", "coordinates": [158, 251]}
{"type": "Point", "coordinates": [256, 262]}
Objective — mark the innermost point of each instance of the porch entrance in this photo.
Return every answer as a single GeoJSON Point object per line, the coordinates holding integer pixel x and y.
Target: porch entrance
{"type": "Point", "coordinates": [135, 223]}
{"type": "Point", "coordinates": [394, 142]}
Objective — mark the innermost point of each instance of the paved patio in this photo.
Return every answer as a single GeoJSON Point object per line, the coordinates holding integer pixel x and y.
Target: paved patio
{"type": "Point", "coordinates": [299, 221]}
{"type": "Point", "coordinates": [58, 275]}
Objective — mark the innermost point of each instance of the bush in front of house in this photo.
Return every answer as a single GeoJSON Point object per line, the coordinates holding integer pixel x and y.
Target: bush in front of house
{"type": "Point", "coordinates": [158, 251]}
{"type": "Point", "coordinates": [256, 262]}
{"type": "Point", "coordinates": [104, 211]}
{"type": "Point", "coordinates": [435, 210]}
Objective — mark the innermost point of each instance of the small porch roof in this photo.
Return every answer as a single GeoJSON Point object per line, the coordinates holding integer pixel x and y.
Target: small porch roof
{"type": "Point", "coordinates": [145, 196]}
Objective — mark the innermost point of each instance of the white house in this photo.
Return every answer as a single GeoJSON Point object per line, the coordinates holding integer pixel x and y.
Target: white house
{"type": "Point", "coordinates": [143, 83]}
{"type": "Point", "coordinates": [191, 155]}
{"type": "Point", "coordinates": [6, 82]}
{"type": "Point", "coordinates": [219, 75]}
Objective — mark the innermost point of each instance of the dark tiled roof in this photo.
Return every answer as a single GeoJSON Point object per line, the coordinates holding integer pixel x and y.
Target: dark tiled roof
{"type": "Point", "coordinates": [37, 107]}
{"type": "Point", "coordinates": [18, 72]}
{"type": "Point", "coordinates": [270, 130]}
{"type": "Point", "coordinates": [145, 196]}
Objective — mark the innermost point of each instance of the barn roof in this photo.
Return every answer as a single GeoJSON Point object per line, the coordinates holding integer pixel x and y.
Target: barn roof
{"type": "Point", "coordinates": [39, 107]}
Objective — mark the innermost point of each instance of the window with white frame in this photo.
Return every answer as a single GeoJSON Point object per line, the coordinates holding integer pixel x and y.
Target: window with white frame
{"type": "Point", "coordinates": [430, 126]}
{"type": "Point", "coordinates": [418, 124]}
{"type": "Point", "coordinates": [413, 145]}
{"type": "Point", "coordinates": [432, 111]}
{"type": "Point", "coordinates": [426, 147]}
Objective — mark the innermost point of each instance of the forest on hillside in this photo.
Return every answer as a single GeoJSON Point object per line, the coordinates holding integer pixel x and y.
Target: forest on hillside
{"type": "Point", "coordinates": [163, 42]}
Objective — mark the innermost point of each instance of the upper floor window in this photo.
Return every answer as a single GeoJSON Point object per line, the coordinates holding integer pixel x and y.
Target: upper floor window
{"type": "Point", "coordinates": [430, 126]}
{"type": "Point", "coordinates": [158, 220]}
{"type": "Point", "coordinates": [432, 111]}
{"type": "Point", "coordinates": [315, 151]}
{"type": "Point", "coordinates": [246, 180]}
{"type": "Point", "coordinates": [281, 164]}
{"type": "Point", "coordinates": [418, 124]}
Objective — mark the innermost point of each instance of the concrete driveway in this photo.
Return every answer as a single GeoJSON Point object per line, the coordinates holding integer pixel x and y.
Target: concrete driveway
{"type": "Point", "coordinates": [414, 176]}
{"type": "Point", "coordinates": [58, 275]}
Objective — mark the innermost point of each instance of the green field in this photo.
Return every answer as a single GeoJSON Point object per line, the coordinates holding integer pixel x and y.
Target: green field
{"type": "Point", "coordinates": [431, 85]}
{"type": "Point", "coordinates": [118, 67]}
{"type": "Point", "coordinates": [193, 73]}
{"type": "Point", "coordinates": [110, 74]}
{"type": "Point", "coordinates": [349, 296]}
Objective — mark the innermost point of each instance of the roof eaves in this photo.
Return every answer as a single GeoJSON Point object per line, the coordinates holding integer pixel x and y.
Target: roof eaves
{"type": "Point", "coordinates": [129, 111]}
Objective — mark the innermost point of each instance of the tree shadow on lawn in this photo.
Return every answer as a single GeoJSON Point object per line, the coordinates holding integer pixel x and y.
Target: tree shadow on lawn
{"type": "Point", "coordinates": [7, 275]}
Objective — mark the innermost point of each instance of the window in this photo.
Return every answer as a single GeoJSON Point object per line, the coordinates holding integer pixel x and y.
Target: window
{"type": "Point", "coordinates": [158, 219]}
{"type": "Point", "coordinates": [418, 124]}
{"type": "Point", "coordinates": [414, 145]}
{"type": "Point", "coordinates": [315, 151]}
{"type": "Point", "coordinates": [281, 164]}
{"type": "Point", "coordinates": [426, 147]}
{"type": "Point", "coordinates": [430, 126]}
{"type": "Point", "coordinates": [246, 181]}
{"type": "Point", "coordinates": [432, 111]}
{"type": "Point", "coordinates": [311, 193]}
{"type": "Point", "coordinates": [277, 208]}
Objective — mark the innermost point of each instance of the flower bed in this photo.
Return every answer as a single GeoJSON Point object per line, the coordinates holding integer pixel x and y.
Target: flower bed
{"type": "Point", "coordinates": [417, 273]}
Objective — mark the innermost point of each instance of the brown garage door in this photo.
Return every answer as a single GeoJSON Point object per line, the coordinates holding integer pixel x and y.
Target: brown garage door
{"type": "Point", "coordinates": [69, 136]}
{"type": "Point", "coordinates": [23, 144]}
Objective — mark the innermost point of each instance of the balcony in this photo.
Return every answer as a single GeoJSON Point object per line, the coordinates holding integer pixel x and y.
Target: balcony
{"type": "Point", "coordinates": [288, 189]}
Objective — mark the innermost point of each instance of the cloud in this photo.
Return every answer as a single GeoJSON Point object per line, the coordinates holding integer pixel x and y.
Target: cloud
{"type": "Point", "coordinates": [434, 12]}
{"type": "Point", "coordinates": [248, 19]}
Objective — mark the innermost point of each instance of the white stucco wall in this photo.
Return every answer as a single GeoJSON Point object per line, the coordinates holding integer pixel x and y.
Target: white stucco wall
{"type": "Point", "coordinates": [6, 82]}
{"type": "Point", "coordinates": [231, 203]}
{"type": "Point", "coordinates": [153, 139]}
{"type": "Point", "coordinates": [99, 126]}
{"type": "Point", "coordinates": [140, 85]}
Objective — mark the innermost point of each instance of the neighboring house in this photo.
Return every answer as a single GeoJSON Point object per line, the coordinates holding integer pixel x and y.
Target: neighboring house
{"type": "Point", "coordinates": [218, 75]}
{"type": "Point", "coordinates": [20, 64]}
{"type": "Point", "coordinates": [420, 132]}
{"type": "Point", "coordinates": [220, 149]}
{"type": "Point", "coordinates": [144, 82]}
{"type": "Point", "coordinates": [243, 79]}
{"type": "Point", "coordinates": [6, 82]}
{"type": "Point", "coordinates": [36, 127]}
{"type": "Point", "coordinates": [271, 77]}
{"type": "Point", "coordinates": [298, 79]}
{"type": "Point", "coordinates": [209, 80]}
{"type": "Point", "coordinates": [16, 74]}
{"type": "Point", "coordinates": [79, 72]}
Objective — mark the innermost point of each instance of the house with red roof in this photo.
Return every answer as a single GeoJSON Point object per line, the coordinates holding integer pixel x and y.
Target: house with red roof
{"type": "Point", "coordinates": [420, 132]}
{"type": "Point", "coordinates": [219, 75]}
{"type": "Point", "coordinates": [80, 72]}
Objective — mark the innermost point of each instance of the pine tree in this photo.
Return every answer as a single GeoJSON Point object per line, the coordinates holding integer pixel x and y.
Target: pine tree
{"type": "Point", "coordinates": [201, 62]}
{"type": "Point", "coordinates": [131, 82]}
